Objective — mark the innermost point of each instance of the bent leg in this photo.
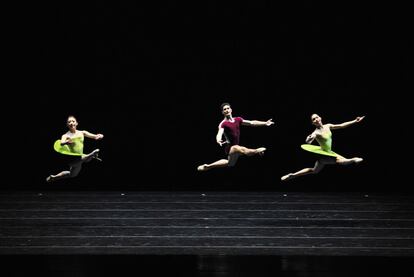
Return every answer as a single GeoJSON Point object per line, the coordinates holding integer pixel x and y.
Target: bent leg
{"type": "Point", "coordinates": [236, 151]}
{"type": "Point", "coordinates": [344, 161]}
{"type": "Point", "coordinates": [75, 169]}
{"type": "Point", "coordinates": [88, 157]}
{"type": "Point", "coordinates": [233, 157]}
{"type": "Point", "coordinates": [241, 150]}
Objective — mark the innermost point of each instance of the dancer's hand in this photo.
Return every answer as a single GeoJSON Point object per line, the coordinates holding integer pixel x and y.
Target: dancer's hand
{"type": "Point", "coordinates": [359, 118]}
{"type": "Point", "coordinates": [68, 141]}
{"type": "Point", "coordinates": [99, 136]}
{"type": "Point", "coordinates": [269, 122]}
{"type": "Point", "coordinates": [220, 142]}
{"type": "Point", "coordinates": [310, 138]}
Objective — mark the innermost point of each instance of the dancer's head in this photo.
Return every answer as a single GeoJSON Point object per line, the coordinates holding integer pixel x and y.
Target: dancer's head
{"type": "Point", "coordinates": [226, 109]}
{"type": "Point", "coordinates": [316, 119]}
{"type": "Point", "coordinates": [71, 122]}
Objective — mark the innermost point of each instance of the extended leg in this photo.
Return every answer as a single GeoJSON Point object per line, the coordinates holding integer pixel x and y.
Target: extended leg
{"type": "Point", "coordinates": [310, 170]}
{"type": "Point", "coordinates": [73, 172]}
{"type": "Point", "coordinates": [61, 175]}
{"type": "Point", "coordinates": [216, 164]}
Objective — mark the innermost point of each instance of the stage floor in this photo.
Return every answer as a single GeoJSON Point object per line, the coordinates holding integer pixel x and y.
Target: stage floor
{"type": "Point", "coordinates": [207, 223]}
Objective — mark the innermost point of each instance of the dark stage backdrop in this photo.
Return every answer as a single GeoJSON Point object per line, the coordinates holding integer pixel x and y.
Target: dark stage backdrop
{"type": "Point", "coordinates": [151, 78]}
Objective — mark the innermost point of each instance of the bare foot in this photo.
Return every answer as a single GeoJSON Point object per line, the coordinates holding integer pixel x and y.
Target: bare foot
{"type": "Point", "coordinates": [95, 155]}
{"type": "Point", "coordinates": [358, 160]}
{"type": "Point", "coordinates": [286, 177]}
{"type": "Point", "coordinates": [202, 167]}
{"type": "Point", "coordinates": [49, 178]}
{"type": "Point", "coordinates": [260, 151]}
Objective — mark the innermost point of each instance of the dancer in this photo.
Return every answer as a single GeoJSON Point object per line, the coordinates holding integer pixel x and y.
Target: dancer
{"type": "Point", "coordinates": [323, 136]}
{"type": "Point", "coordinates": [230, 128]}
{"type": "Point", "coordinates": [71, 145]}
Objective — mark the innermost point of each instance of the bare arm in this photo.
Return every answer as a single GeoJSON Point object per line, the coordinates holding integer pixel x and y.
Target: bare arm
{"type": "Point", "coordinates": [310, 138]}
{"type": "Point", "coordinates": [65, 140]}
{"type": "Point", "coordinates": [256, 123]}
{"type": "Point", "coordinates": [92, 136]}
{"type": "Point", "coordinates": [345, 124]}
{"type": "Point", "coordinates": [219, 136]}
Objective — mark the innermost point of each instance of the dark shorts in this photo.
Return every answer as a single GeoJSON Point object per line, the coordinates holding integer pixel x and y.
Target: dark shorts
{"type": "Point", "coordinates": [325, 159]}
{"type": "Point", "coordinates": [227, 148]}
{"type": "Point", "coordinates": [69, 160]}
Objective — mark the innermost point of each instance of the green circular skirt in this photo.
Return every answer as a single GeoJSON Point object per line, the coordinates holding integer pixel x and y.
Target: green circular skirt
{"type": "Point", "coordinates": [64, 149]}
{"type": "Point", "coordinates": [318, 150]}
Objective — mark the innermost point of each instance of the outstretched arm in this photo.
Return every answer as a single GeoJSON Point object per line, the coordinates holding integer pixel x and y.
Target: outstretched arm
{"type": "Point", "coordinates": [346, 124]}
{"type": "Point", "coordinates": [255, 123]}
{"type": "Point", "coordinates": [92, 136]}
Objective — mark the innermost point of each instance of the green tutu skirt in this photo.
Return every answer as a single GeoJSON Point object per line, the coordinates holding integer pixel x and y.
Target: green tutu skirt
{"type": "Point", "coordinates": [64, 149]}
{"type": "Point", "coordinates": [318, 150]}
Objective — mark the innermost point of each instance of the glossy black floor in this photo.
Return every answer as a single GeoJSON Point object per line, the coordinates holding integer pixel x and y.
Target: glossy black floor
{"type": "Point", "coordinates": [195, 265]}
{"type": "Point", "coordinates": [206, 234]}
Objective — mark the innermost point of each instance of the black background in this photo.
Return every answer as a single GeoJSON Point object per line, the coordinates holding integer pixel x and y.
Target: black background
{"type": "Point", "coordinates": [151, 77]}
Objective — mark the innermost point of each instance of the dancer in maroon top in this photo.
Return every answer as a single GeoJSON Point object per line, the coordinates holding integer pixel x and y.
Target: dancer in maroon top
{"type": "Point", "coordinates": [230, 128]}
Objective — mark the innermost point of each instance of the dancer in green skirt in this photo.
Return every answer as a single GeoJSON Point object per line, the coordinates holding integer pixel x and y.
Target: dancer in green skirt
{"type": "Point", "coordinates": [323, 136]}
{"type": "Point", "coordinates": [71, 147]}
